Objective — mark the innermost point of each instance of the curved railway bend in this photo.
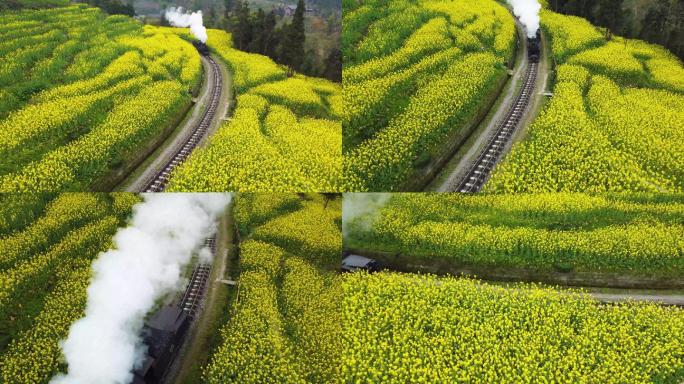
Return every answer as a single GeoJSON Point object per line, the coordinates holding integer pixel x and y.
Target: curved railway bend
{"type": "Point", "coordinates": [480, 169]}
{"type": "Point", "coordinates": [212, 105]}
{"type": "Point", "coordinates": [474, 168]}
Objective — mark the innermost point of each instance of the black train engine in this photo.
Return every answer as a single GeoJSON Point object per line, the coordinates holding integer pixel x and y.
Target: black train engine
{"type": "Point", "coordinates": [534, 47]}
{"type": "Point", "coordinates": [201, 47]}
{"type": "Point", "coordinates": [163, 334]}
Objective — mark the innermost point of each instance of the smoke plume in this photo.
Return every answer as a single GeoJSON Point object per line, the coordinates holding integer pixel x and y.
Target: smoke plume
{"type": "Point", "coordinates": [528, 13]}
{"type": "Point", "coordinates": [362, 209]}
{"type": "Point", "coordinates": [143, 266]}
{"type": "Point", "coordinates": [178, 18]}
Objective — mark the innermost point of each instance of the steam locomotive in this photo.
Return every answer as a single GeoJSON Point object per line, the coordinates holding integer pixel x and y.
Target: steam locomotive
{"type": "Point", "coordinates": [533, 47]}
{"type": "Point", "coordinates": [162, 334]}
{"type": "Point", "coordinates": [201, 47]}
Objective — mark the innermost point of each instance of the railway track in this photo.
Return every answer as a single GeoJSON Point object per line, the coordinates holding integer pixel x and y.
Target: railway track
{"type": "Point", "coordinates": [478, 173]}
{"type": "Point", "coordinates": [157, 183]}
{"type": "Point", "coordinates": [194, 292]}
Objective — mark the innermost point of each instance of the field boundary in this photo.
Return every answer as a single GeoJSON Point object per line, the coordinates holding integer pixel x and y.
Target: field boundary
{"type": "Point", "coordinates": [439, 266]}
{"type": "Point", "coordinates": [116, 177]}
{"type": "Point", "coordinates": [110, 181]}
{"type": "Point", "coordinates": [421, 177]}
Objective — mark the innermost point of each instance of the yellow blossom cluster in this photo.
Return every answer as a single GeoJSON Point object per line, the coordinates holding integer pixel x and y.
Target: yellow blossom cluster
{"type": "Point", "coordinates": [414, 49]}
{"type": "Point", "coordinates": [404, 328]}
{"type": "Point", "coordinates": [66, 75]}
{"type": "Point", "coordinates": [18, 211]}
{"type": "Point", "coordinates": [285, 324]}
{"type": "Point", "coordinates": [387, 161]}
{"type": "Point", "coordinates": [51, 269]}
{"type": "Point", "coordinates": [613, 123]}
{"type": "Point", "coordinates": [633, 234]}
{"type": "Point", "coordinates": [284, 135]}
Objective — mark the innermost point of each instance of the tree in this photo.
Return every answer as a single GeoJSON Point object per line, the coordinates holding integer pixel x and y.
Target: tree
{"type": "Point", "coordinates": [257, 43]}
{"type": "Point", "coordinates": [310, 65]}
{"type": "Point", "coordinates": [227, 12]}
{"type": "Point", "coordinates": [10, 4]}
{"type": "Point", "coordinates": [271, 34]}
{"type": "Point", "coordinates": [333, 66]}
{"type": "Point", "coordinates": [164, 22]}
{"type": "Point", "coordinates": [653, 25]}
{"type": "Point", "coordinates": [242, 35]}
{"type": "Point", "coordinates": [212, 18]}
{"type": "Point", "coordinates": [586, 9]}
{"type": "Point", "coordinates": [227, 8]}
{"type": "Point", "coordinates": [610, 15]}
{"type": "Point", "coordinates": [675, 42]}
{"type": "Point", "coordinates": [292, 49]}
{"type": "Point", "coordinates": [114, 7]}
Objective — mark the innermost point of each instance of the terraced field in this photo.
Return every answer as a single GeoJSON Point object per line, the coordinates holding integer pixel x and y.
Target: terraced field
{"type": "Point", "coordinates": [285, 323]}
{"type": "Point", "coordinates": [82, 93]}
{"type": "Point", "coordinates": [85, 97]}
{"type": "Point", "coordinates": [613, 124]}
{"type": "Point", "coordinates": [401, 328]}
{"type": "Point", "coordinates": [284, 134]}
{"type": "Point", "coordinates": [633, 235]}
{"type": "Point", "coordinates": [47, 245]}
{"type": "Point", "coordinates": [416, 74]}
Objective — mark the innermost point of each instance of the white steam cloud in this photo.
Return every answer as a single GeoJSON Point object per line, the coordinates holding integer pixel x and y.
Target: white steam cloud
{"type": "Point", "coordinates": [177, 17]}
{"type": "Point", "coordinates": [528, 13]}
{"type": "Point", "coordinates": [362, 209]}
{"type": "Point", "coordinates": [144, 265]}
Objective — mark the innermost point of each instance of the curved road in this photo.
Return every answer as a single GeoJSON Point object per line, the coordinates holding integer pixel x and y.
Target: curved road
{"type": "Point", "coordinates": [210, 109]}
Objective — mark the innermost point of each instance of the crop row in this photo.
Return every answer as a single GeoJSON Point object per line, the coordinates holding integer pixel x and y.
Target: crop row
{"type": "Point", "coordinates": [284, 135]}
{"type": "Point", "coordinates": [612, 124]}
{"type": "Point", "coordinates": [431, 115]}
{"type": "Point", "coordinates": [65, 84]}
{"type": "Point", "coordinates": [34, 355]}
{"type": "Point", "coordinates": [61, 215]}
{"type": "Point", "coordinates": [43, 48]}
{"type": "Point", "coordinates": [17, 211]}
{"type": "Point", "coordinates": [401, 328]}
{"type": "Point", "coordinates": [311, 230]}
{"type": "Point", "coordinates": [414, 49]}
{"type": "Point", "coordinates": [45, 293]}
{"type": "Point", "coordinates": [578, 232]}
{"type": "Point", "coordinates": [285, 322]}
{"type": "Point", "coordinates": [107, 146]}
{"type": "Point", "coordinates": [253, 209]}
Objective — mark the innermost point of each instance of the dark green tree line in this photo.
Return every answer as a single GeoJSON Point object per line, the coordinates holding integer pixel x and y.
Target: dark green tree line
{"type": "Point", "coordinates": [658, 21]}
{"type": "Point", "coordinates": [259, 32]}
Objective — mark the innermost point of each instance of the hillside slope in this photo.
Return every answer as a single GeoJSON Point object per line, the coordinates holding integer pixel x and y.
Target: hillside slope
{"type": "Point", "coordinates": [81, 93]}
{"type": "Point", "coordinates": [416, 74]}
{"type": "Point", "coordinates": [614, 121]}
{"type": "Point", "coordinates": [284, 134]}
{"type": "Point", "coordinates": [285, 324]}
{"type": "Point", "coordinates": [45, 270]}
{"type": "Point", "coordinates": [627, 235]}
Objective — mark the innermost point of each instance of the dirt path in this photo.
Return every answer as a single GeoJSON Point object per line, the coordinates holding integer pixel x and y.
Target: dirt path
{"type": "Point", "coordinates": [663, 299]}
{"type": "Point", "coordinates": [156, 161]}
